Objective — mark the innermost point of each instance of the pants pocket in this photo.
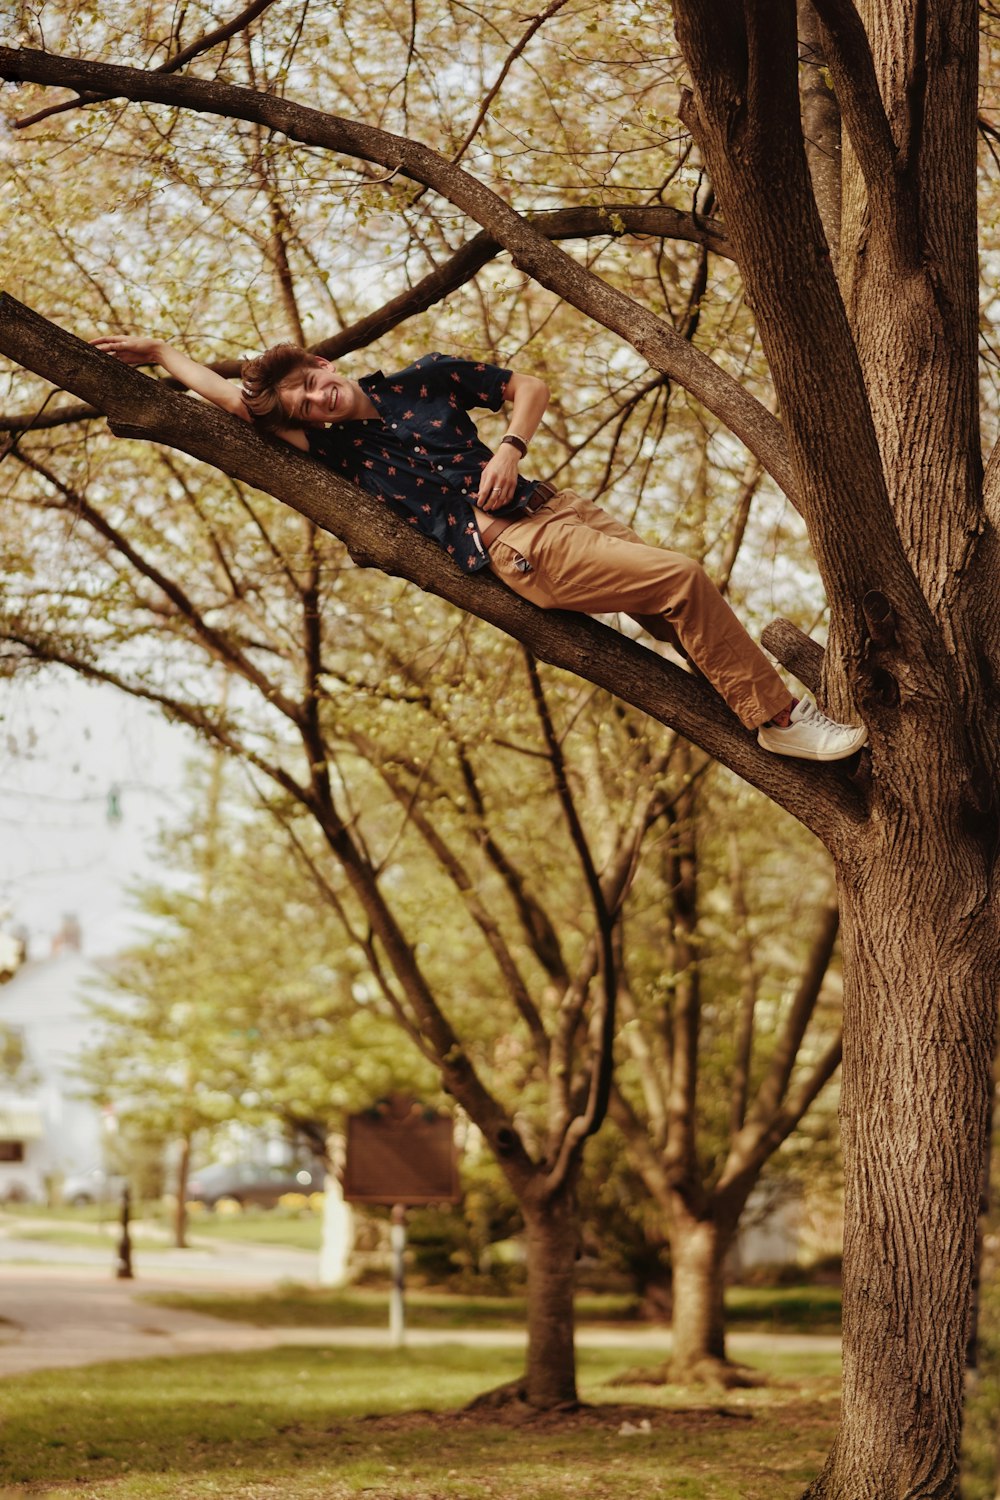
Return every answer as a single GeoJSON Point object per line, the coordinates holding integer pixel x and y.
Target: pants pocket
{"type": "Point", "coordinates": [518, 573]}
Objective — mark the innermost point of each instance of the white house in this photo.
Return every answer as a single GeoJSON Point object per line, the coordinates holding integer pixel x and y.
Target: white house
{"type": "Point", "coordinates": [46, 1130]}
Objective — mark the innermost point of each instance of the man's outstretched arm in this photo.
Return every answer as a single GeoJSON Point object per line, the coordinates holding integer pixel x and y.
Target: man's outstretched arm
{"type": "Point", "coordinates": [138, 349]}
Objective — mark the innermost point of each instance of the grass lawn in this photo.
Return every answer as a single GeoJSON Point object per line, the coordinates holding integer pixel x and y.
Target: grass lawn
{"type": "Point", "coordinates": [327, 1424]}
{"type": "Point", "coordinates": [767, 1310]}
{"type": "Point", "coordinates": [791, 1309]}
{"type": "Point", "coordinates": [262, 1226]}
{"type": "Point", "coordinates": [307, 1307]}
{"type": "Point", "coordinates": [981, 1446]}
{"type": "Point", "coordinates": [92, 1213]}
{"type": "Point", "coordinates": [77, 1226]}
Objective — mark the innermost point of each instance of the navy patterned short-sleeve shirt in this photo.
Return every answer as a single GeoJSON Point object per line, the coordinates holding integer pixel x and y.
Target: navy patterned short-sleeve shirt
{"type": "Point", "coordinates": [422, 453]}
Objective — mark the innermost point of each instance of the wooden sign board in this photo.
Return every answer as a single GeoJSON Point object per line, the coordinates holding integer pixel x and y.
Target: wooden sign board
{"type": "Point", "coordinates": [400, 1152]}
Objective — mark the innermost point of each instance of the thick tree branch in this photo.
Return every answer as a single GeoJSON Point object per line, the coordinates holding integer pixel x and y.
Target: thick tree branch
{"type": "Point", "coordinates": [795, 650]}
{"type": "Point", "coordinates": [684, 1022]}
{"type": "Point", "coordinates": [614, 220]}
{"type": "Point", "coordinates": [659, 344]}
{"type": "Point", "coordinates": [745, 113]}
{"type": "Point", "coordinates": [820, 796]}
{"type": "Point", "coordinates": [849, 58]}
{"type": "Point", "coordinates": [820, 125]}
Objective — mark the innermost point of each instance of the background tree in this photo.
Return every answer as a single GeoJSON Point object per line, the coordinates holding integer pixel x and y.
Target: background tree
{"type": "Point", "coordinates": [723, 1064]}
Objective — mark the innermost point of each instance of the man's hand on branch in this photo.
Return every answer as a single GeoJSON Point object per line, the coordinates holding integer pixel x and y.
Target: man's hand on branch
{"type": "Point", "coordinates": [130, 348]}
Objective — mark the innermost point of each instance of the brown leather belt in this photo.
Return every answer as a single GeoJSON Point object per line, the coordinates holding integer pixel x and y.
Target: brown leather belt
{"type": "Point", "coordinates": [536, 500]}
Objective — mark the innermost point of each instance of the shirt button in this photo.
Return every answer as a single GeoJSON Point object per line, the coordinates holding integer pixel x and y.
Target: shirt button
{"type": "Point", "coordinates": [393, 424]}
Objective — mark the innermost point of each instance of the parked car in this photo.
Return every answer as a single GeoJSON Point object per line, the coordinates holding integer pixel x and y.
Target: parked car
{"type": "Point", "coordinates": [79, 1189]}
{"type": "Point", "coordinates": [259, 1184]}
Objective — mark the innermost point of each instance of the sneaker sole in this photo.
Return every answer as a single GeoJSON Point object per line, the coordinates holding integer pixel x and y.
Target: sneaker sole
{"type": "Point", "coordinates": [820, 755]}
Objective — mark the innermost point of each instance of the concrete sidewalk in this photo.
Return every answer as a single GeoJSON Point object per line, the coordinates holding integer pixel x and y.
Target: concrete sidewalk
{"type": "Point", "coordinates": [60, 1316]}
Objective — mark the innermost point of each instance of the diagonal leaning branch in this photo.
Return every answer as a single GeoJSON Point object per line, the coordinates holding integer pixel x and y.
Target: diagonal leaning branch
{"type": "Point", "coordinates": [136, 406]}
{"type": "Point", "coordinates": [533, 252]}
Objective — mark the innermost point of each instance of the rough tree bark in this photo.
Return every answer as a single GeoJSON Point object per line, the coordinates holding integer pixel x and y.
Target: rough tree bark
{"type": "Point", "coordinates": [553, 1246]}
{"type": "Point", "coordinates": [697, 1250]}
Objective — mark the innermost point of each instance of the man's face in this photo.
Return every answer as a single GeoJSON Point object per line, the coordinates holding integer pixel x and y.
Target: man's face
{"type": "Point", "coordinates": [317, 395]}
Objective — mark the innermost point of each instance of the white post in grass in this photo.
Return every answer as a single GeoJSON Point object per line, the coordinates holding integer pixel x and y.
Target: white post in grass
{"type": "Point", "coordinates": [338, 1229]}
{"type": "Point", "coordinates": [397, 1309]}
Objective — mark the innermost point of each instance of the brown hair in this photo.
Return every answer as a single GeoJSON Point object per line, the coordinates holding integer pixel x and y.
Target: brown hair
{"type": "Point", "coordinates": [263, 377]}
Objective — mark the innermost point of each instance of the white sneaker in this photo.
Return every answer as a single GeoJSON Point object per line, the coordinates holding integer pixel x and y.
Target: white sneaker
{"type": "Point", "coordinates": [810, 735]}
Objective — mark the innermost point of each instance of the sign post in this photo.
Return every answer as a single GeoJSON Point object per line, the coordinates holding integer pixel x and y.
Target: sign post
{"type": "Point", "coordinates": [401, 1154]}
{"type": "Point", "coordinates": [397, 1293]}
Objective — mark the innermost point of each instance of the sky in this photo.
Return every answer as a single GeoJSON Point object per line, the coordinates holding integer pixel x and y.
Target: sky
{"type": "Point", "coordinates": [70, 755]}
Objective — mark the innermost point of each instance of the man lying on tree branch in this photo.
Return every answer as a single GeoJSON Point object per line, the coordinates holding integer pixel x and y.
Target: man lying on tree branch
{"type": "Point", "coordinates": [409, 440]}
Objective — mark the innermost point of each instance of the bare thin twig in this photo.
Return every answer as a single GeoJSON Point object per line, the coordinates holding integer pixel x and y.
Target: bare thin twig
{"type": "Point", "coordinates": [491, 93]}
{"type": "Point", "coordinates": [202, 44]}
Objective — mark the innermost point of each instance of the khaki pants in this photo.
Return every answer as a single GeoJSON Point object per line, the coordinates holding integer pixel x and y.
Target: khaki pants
{"type": "Point", "coordinates": [580, 558]}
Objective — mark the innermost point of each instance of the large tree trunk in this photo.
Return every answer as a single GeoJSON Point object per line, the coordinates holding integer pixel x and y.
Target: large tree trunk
{"type": "Point", "coordinates": [699, 1244]}
{"type": "Point", "coordinates": [553, 1239]}
{"type": "Point", "coordinates": [919, 1020]}
{"type": "Point", "coordinates": [697, 1251]}
{"type": "Point", "coordinates": [880, 408]}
